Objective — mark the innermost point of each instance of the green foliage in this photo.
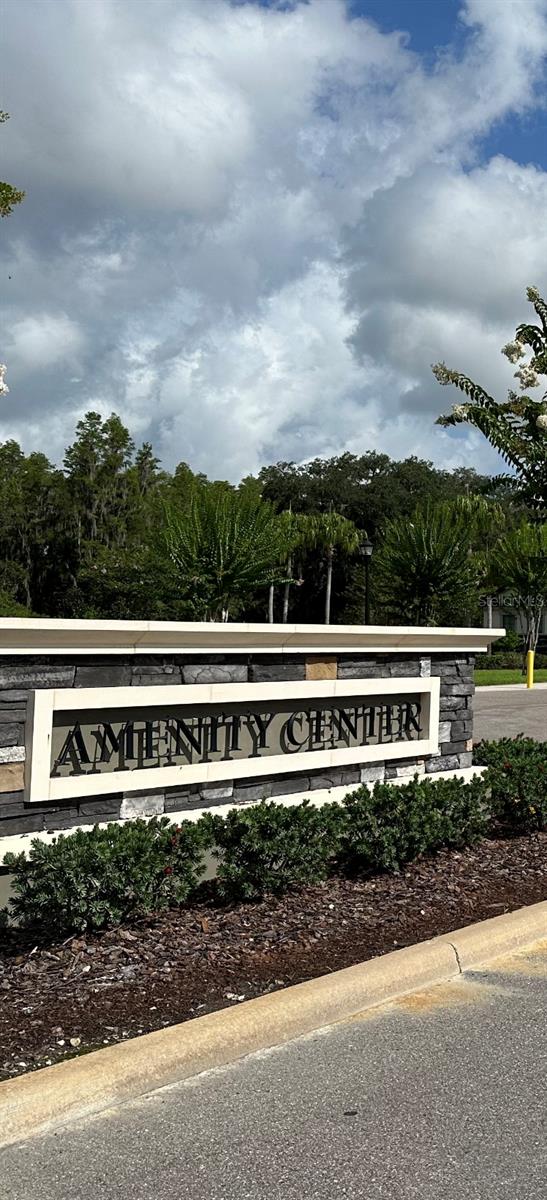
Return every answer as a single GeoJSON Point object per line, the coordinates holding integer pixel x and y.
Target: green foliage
{"type": "Point", "coordinates": [391, 826]}
{"type": "Point", "coordinates": [97, 878]}
{"type": "Point", "coordinates": [517, 427]}
{"type": "Point", "coordinates": [9, 195]}
{"type": "Point", "coordinates": [425, 572]}
{"type": "Point", "coordinates": [518, 563]}
{"type": "Point", "coordinates": [512, 660]}
{"type": "Point", "coordinates": [271, 848]}
{"type": "Point", "coordinates": [517, 779]}
{"type": "Point", "coordinates": [223, 547]}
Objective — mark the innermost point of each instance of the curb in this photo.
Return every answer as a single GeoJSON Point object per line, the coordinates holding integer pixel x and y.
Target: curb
{"type": "Point", "coordinates": [46, 1099]}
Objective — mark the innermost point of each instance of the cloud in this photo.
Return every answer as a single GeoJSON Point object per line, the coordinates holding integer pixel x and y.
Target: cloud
{"type": "Point", "coordinates": [249, 230]}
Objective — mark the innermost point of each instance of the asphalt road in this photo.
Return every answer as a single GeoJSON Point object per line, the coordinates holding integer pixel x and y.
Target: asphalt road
{"type": "Point", "coordinates": [506, 712]}
{"type": "Point", "coordinates": [442, 1096]}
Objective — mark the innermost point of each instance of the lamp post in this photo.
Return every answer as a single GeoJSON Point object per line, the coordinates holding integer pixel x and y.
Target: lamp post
{"type": "Point", "coordinates": [365, 550]}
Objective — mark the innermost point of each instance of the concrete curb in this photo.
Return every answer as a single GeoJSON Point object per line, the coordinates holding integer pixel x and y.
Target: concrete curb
{"type": "Point", "coordinates": [49, 1098]}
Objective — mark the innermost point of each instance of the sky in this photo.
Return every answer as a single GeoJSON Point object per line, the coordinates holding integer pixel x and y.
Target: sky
{"type": "Point", "coordinates": [251, 227]}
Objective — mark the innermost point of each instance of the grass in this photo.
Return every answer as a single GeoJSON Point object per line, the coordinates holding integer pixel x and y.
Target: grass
{"type": "Point", "coordinates": [488, 678]}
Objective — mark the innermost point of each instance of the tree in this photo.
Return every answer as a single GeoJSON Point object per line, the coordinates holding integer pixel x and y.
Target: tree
{"type": "Point", "coordinates": [332, 533]}
{"type": "Point", "coordinates": [519, 564]}
{"type": "Point", "coordinates": [517, 427]}
{"type": "Point", "coordinates": [225, 546]}
{"type": "Point", "coordinates": [9, 195]}
{"type": "Point", "coordinates": [426, 573]}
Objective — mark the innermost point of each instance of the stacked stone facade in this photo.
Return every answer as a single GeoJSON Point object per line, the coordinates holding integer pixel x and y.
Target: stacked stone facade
{"type": "Point", "coordinates": [20, 675]}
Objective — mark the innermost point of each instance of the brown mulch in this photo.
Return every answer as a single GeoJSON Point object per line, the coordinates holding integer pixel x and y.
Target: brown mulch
{"type": "Point", "coordinates": [94, 990]}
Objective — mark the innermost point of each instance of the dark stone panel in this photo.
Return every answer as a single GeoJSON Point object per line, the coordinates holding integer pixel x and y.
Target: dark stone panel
{"type": "Point", "coordinates": [457, 689]}
{"type": "Point", "coordinates": [13, 697]}
{"type": "Point", "coordinates": [28, 823]}
{"type": "Point", "coordinates": [246, 792]}
{"type": "Point", "coordinates": [337, 778]}
{"type": "Point", "coordinates": [64, 818]}
{"type": "Point", "coordinates": [31, 673]}
{"type": "Point", "coordinates": [453, 747]}
{"type": "Point", "coordinates": [12, 734]}
{"type": "Point", "coordinates": [182, 798]}
{"type": "Point", "coordinates": [8, 715]}
{"type": "Point", "coordinates": [102, 809]}
{"type": "Point", "coordinates": [156, 680]}
{"type": "Point", "coordinates": [277, 670]}
{"type": "Point", "coordinates": [284, 785]}
{"type": "Point", "coordinates": [109, 673]}
{"type": "Point", "coordinates": [11, 805]}
{"type": "Point", "coordinates": [359, 669]}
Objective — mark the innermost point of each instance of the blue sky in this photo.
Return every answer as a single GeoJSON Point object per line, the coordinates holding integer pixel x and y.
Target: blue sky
{"type": "Point", "coordinates": [434, 24]}
{"type": "Point", "coordinates": [250, 228]}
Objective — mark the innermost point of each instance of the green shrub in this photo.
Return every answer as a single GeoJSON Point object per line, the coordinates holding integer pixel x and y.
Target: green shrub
{"type": "Point", "coordinates": [272, 848]}
{"type": "Point", "coordinates": [509, 661]}
{"type": "Point", "coordinates": [96, 878]}
{"type": "Point", "coordinates": [517, 778]}
{"type": "Point", "coordinates": [384, 829]}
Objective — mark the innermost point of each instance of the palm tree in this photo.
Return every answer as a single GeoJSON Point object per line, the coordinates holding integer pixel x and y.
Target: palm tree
{"type": "Point", "coordinates": [517, 427]}
{"type": "Point", "coordinates": [332, 533]}
{"type": "Point", "coordinates": [426, 571]}
{"type": "Point", "coordinates": [519, 564]}
{"type": "Point", "coordinates": [224, 546]}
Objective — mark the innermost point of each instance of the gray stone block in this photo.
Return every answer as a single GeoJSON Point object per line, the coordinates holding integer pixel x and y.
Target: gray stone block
{"type": "Point", "coordinates": [374, 773]}
{"type": "Point", "coordinates": [362, 670]}
{"type": "Point", "coordinates": [280, 672]}
{"type": "Point", "coordinates": [442, 762]}
{"type": "Point", "coordinates": [12, 734]}
{"type": "Point", "coordinates": [453, 747]}
{"type": "Point", "coordinates": [453, 704]}
{"type": "Point", "coordinates": [181, 799]}
{"type": "Point", "coordinates": [345, 777]}
{"type": "Point", "coordinates": [11, 805]}
{"type": "Point", "coordinates": [114, 673]}
{"type": "Point", "coordinates": [102, 809]}
{"type": "Point", "coordinates": [444, 730]}
{"type": "Point", "coordinates": [216, 793]}
{"type": "Point", "coordinates": [457, 689]}
{"type": "Point", "coordinates": [425, 668]}
{"type": "Point", "coordinates": [64, 819]}
{"type": "Point", "coordinates": [140, 680]}
{"type": "Point", "coordinates": [215, 673]}
{"type": "Point", "coordinates": [8, 715]}
{"type": "Point", "coordinates": [28, 823]}
{"type": "Point", "coordinates": [35, 673]}
{"type": "Point", "coordinates": [405, 668]}
{"type": "Point", "coordinates": [245, 793]}
{"type": "Point", "coordinates": [466, 759]}
{"type": "Point", "coordinates": [12, 754]}
{"type": "Point", "coordinates": [284, 785]}
{"type": "Point", "coordinates": [135, 804]}
{"type": "Point", "coordinates": [459, 731]}
{"type": "Point", "coordinates": [13, 698]}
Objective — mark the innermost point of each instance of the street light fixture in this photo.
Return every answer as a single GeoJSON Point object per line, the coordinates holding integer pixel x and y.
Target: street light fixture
{"type": "Point", "coordinates": [365, 551]}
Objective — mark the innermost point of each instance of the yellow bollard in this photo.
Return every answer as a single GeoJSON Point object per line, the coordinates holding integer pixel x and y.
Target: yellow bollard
{"type": "Point", "coordinates": [530, 669]}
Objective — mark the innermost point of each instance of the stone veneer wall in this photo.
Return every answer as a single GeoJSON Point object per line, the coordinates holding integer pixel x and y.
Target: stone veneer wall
{"type": "Point", "coordinates": [18, 676]}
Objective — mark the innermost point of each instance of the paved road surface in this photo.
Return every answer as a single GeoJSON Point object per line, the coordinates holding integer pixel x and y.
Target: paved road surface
{"type": "Point", "coordinates": [440, 1097]}
{"type": "Point", "coordinates": [506, 713]}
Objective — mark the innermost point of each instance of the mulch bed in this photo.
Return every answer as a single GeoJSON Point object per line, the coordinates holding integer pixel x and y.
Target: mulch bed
{"type": "Point", "coordinates": [93, 990]}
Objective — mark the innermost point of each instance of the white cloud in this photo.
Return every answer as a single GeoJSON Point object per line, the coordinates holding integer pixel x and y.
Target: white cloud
{"type": "Point", "coordinates": [250, 230]}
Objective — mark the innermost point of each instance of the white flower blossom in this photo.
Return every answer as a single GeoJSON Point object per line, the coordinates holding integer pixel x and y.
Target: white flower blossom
{"type": "Point", "coordinates": [527, 376]}
{"type": "Point", "coordinates": [460, 410]}
{"type": "Point", "coordinates": [4, 389]}
{"type": "Point", "coordinates": [542, 421]}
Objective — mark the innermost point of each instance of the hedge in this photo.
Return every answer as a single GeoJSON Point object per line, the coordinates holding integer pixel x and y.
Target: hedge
{"type": "Point", "coordinates": [91, 880]}
{"type": "Point", "coordinates": [511, 660]}
{"type": "Point", "coordinates": [97, 878]}
{"type": "Point", "coordinates": [517, 782]}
